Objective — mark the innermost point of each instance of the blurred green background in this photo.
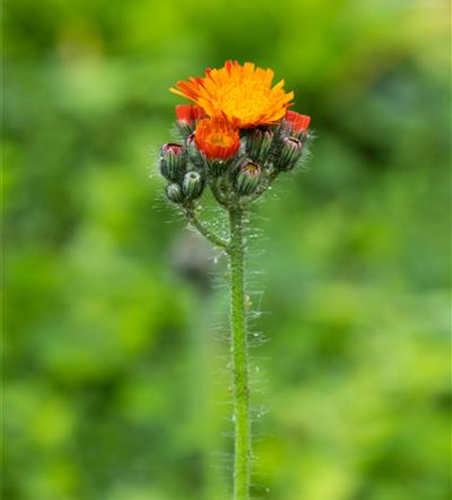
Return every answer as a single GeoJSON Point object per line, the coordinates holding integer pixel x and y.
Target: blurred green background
{"type": "Point", "coordinates": [115, 384]}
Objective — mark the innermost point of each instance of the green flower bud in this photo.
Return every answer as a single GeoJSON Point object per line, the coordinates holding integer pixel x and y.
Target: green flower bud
{"type": "Point", "coordinates": [290, 153]}
{"type": "Point", "coordinates": [174, 193]}
{"type": "Point", "coordinates": [258, 144]}
{"type": "Point", "coordinates": [193, 152]}
{"type": "Point", "coordinates": [248, 178]}
{"type": "Point", "coordinates": [173, 161]}
{"type": "Point", "coordinates": [192, 185]}
{"type": "Point", "coordinates": [217, 168]}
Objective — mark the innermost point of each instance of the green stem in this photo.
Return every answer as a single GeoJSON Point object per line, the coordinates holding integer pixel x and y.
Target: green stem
{"type": "Point", "coordinates": [242, 422]}
{"type": "Point", "coordinates": [206, 231]}
{"type": "Point", "coordinates": [217, 193]}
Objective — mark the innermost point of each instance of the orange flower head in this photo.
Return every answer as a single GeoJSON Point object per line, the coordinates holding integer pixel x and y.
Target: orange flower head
{"type": "Point", "coordinates": [243, 95]}
{"type": "Point", "coordinates": [299, 123]}
{"type": "Point", "coordinates": [216, 138]}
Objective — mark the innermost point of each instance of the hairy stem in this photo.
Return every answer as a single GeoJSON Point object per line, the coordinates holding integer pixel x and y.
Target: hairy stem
{"type": "Point", "coordinates": [242, 422]}
{"type": "Point", "coordinates": [217, 193]}
{"type": "Point", "coordinates": [206, 231]}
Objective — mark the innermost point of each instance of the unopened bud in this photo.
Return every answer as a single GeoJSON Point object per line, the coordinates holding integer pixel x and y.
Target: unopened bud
{"type": "Point", "coordinates": [187, 117]}
{"type": "Point", "coordinates": [173, 161]}
{"type": "Point", "coordinates": [192, 185]}
{"type": "Point", "coordinates": [258, 144]}
{"type": "Point", "coordinates": [296, 124]}
{"type": "Point", "coordinates": [248, 178]}
{"type": "Point", "coordinates": [174, 193]}
{"type": "Point", "coordinates": [290, 153]}
{"type": "Point", "coordinates": [193, 152]}
{"type": "Point", "coordinates": [217, 168]}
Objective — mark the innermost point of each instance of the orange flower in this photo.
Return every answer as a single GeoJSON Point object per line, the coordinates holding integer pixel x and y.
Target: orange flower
{"type": "Point", "coordinates": [216, 138]}
{"type": "Point", "coordinates": [242, 94]}
{"type": "Point", "coordinates": [299, 123]}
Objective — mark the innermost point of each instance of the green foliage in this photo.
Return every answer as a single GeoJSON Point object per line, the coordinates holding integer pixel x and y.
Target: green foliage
{"type": "Point", "coordinates": [111, 363]}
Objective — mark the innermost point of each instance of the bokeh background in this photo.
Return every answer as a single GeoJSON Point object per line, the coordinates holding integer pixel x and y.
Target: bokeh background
{"type": "Point", "coordinates": [115, 384]}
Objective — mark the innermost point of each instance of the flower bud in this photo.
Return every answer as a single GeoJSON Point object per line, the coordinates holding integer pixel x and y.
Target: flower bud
{"type": "Point", "coordinates": [193, 152]}
{"type": "Point", "coordinates": [290, 153]}
{"type": "Point", "coordinates": [248, 178]}
{"type": "Point", "coordinates": [192, 185]}
{"type": "Point", "coordinates": [258, 144]}
{"type": "Point", "coordinates": [173, 161]}
{"type": "Point", "coordinates": [187, 117]}
{"type": "Point", "coordinates": [217, 168]}
{"type": "Point", "coordinates": [174, 193]}
{"type": "Point", "coordinates": [296, 124]}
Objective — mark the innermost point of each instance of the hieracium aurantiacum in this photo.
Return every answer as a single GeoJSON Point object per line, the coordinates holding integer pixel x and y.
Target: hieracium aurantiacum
{"type": "Point", "coordinates": [237, 138]}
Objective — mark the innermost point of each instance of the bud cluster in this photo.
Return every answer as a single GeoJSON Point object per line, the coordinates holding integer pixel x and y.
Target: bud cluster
{"type": "Point", "coordinates": [238, 164]}
{"type": "Point", "coordinates": [184, 183]}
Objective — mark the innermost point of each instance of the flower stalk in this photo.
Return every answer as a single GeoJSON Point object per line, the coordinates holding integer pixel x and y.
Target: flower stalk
{"type": "Point", "coordinates": [235, 248]}
{"type": "Point", "coordinates": [239, 351]}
